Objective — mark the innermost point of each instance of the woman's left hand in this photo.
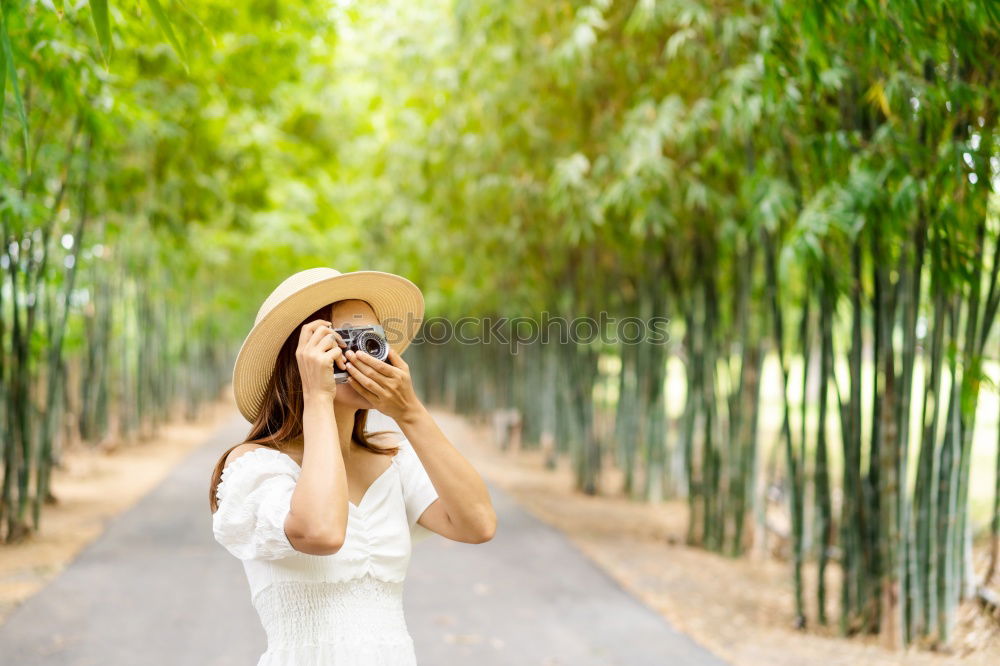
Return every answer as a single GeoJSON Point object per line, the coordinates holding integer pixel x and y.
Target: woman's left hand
{"type": "Point", "coordinates": [386, 385]}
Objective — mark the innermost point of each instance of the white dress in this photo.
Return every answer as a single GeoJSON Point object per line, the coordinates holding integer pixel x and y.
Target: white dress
{"type": "Point", "coordinates": [344, 609]}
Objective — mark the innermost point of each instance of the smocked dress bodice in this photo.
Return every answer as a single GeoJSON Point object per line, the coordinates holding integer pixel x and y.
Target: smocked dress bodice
{"type": "Point", "coordinates": [344, 609]}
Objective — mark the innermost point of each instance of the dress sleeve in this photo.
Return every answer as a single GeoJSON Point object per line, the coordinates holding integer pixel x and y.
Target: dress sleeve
{"type": "Point", "coordinates": [254, 496]}
{"type": "Point", "coordinates": [418, 490]}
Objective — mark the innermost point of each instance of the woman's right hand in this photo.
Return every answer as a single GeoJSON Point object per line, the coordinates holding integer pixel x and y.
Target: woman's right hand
{"type": "Point", "coordinates": [320, 347]}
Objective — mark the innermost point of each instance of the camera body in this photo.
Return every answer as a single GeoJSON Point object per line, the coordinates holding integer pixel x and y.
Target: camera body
{"type": "Point", "coordinates": [369, 339]}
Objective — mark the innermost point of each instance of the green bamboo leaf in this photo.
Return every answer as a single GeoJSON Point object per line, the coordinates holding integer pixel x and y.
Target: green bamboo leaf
{"type": "Point", "coordinates": [99, 12]}
{"type": "Point", "coordinates": [876, 96]}
{"type": "Point", "coordinates": [198, 21]}
{"type": "Point", "coordinates": [3, 83]}
{"type": "Point", "coordinates": [168, 30]}
{"type": "Point", "coordinates": [8, 56]}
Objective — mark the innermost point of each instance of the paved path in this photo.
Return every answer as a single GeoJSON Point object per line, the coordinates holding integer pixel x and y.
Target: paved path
{"type": "Point", "coordinates": [156, 589]}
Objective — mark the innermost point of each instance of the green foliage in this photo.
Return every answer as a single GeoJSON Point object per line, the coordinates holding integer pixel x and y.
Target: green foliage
{"type": "Point", "coordinates": [168, 29]}
{"type": "Point", "coordinates": [9, 68]}
{"type": "Point", "coordinates": [511, 158]}
{"type": "Point", "coordinates": [99, 12]}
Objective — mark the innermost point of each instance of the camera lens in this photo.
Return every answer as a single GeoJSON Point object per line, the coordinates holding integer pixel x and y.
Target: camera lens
{"type": "Point", "coordinates": [374, 345]}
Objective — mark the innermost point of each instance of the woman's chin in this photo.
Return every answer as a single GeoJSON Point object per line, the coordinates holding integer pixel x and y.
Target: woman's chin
{"type": "Point", "coordinates": [346, 395]}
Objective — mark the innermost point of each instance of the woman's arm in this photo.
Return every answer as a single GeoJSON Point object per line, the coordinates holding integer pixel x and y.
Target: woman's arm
{"type": "Point", "coordinates": [317, 521]}
{"type": "Point", "coordinates": [464, 511]}
{"type": "Point", "coordinates": [318, 516]}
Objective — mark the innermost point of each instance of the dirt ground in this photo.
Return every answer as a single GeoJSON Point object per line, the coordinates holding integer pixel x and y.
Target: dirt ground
{"type": "Point", "coordinates": [741, 609]}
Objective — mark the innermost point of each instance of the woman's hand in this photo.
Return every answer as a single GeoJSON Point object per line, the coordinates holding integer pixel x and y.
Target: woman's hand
{"type": "Point", "coordinates": [386, 385]}
{"type": "Point", "coordinates": [319, 349]}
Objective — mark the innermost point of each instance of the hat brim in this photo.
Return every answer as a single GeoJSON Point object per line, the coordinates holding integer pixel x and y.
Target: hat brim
{"type": "Point", "coordinates": [398, 304]}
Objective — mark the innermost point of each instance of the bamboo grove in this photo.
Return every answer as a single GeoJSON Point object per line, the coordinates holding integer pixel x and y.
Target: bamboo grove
{"type": "Point", "coordinates": [124, 194]}
{"type": "Point", "coordinates": [805, 192]}
{"type": "Point", "coordinates": [784, 182]}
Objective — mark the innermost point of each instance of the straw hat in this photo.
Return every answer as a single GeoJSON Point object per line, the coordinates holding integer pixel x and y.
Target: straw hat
{"type": "Point", "coordinates": [397, 303]}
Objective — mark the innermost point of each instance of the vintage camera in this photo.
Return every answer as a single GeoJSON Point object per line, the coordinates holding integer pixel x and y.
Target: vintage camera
{"type": "Point", "coordinates": [369, 339]}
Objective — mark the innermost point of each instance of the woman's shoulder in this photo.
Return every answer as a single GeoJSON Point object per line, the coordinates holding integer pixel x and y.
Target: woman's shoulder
{"type": "Point", "coordinates": [243, 449]}
{"type": "Point", "coordinates": [250, 459]}
{"type": "Point", "coordinates": [249, 465]}
{"type": "Point", "coordinates": [240, 450]}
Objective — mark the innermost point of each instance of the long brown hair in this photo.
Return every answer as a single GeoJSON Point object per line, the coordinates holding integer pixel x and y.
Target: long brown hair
{"type": "Point", "coordinates": [280, 417]}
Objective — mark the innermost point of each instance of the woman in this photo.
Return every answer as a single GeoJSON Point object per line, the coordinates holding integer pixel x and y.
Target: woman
{"type": "Point", "coordinates": [322, 513]}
